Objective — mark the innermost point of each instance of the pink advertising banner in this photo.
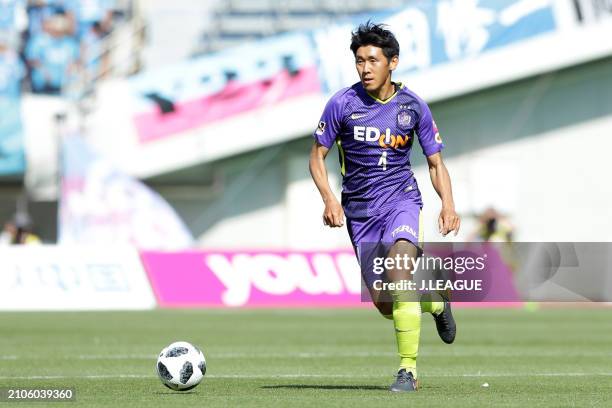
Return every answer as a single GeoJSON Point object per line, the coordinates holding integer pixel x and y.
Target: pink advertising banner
{"type": "Point", "coordinates": [233, 99]}
{"type": "Point", "coordinates": [254, 278]}
{"type": "Point", "coordinates": [208, 278]}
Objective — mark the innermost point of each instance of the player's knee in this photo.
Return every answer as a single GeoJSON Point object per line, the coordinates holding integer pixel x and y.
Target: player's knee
{"type": "Point", "coordinates": [385, 309]}
{"type": "Point", "coordinates": [405, 247]}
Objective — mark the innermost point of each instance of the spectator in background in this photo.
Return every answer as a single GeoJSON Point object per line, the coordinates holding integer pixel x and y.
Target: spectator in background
{"type": "Point", "coordinates": [11, 69]}
{"type": "Point", "coordinates": [18, 231]}
{"type": "Point", "coordinates": [52, 56]}
{"type": "Point", "coordinates": [7, 234]}
{"type": "Point", "coordinates": [8, 13]}
{"type": "Point", "coordinates": [92, 12]}
{"type": "Point", "coordinates": [41, 10]}
{"type": "Point", "coordinates": [493, 227]}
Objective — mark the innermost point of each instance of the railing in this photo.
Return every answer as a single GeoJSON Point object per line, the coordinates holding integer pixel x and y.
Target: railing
{"type": "Point", "coordinates": [119, 56]}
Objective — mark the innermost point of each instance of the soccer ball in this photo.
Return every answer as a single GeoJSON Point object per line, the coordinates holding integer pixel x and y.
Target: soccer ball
{"type": "Point", "coordinates": [181, 366]}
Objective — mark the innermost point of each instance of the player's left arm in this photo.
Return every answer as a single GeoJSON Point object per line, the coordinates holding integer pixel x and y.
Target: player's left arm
{"type": "Point", "coordinates": [448, 220]}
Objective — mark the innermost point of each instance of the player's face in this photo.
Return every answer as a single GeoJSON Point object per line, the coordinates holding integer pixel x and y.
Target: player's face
{"type": "Point", "coordinates": [373, 67]}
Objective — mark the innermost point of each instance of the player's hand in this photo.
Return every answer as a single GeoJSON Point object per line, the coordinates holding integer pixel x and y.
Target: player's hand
{"type": "Point", "coordinates": [448, 221]}
{"type": "Point", "coordinates": [333, 215]}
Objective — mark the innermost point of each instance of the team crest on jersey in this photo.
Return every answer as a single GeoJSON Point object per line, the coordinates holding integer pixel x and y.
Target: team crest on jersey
{"type": "Point", "coordinates": [320, 128]}
{"type": "Point", "coordinates": [404, 120]}
{"type": "Point", "coordinates": [437, 136]}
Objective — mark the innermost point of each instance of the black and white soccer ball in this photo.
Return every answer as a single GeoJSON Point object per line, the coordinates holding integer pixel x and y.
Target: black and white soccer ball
{"type": "Point", "coordinates": [181, 366]}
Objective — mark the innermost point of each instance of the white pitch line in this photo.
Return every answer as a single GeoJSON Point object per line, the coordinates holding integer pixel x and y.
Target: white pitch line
{"type": "Point", "coordinates": [561, 353]}
{"type": "Point", "coordinates": [66, 377]}
{"type": "Point", "coordinates": [307, 355]}
{"type": "Point", "coordinates": [114, 357]}
{"type": "Point", "coordinates": [238, 376]}
{"type": "Point", "coordinates": [273, 376]}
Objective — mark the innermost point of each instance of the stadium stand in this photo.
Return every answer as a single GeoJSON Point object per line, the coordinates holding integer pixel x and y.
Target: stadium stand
{"type": "Point", "coordinates": [62, 42]}
{"type": "Point", "coordinates": [238, 21]}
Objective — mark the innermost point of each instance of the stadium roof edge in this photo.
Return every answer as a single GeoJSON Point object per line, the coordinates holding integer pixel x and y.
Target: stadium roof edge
{"type": "Point", "coordinates": [547, 53]}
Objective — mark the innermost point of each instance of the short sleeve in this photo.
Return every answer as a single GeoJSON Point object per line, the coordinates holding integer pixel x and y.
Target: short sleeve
{"type": "Point", "coordinates": [330, 123]}
{"type": "Point", "coordinates": [427, 132]}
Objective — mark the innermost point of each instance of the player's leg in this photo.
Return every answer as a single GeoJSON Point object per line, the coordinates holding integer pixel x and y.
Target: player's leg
{"type": "Point", "coordinates": [365, 234]}
{"type": "Point", "coordinates": [445, 322]}
{"type": "Point", "coordinates": [407, 223]}
{"type": "Point", "coordinates": [430, 302]}
{"type": "Point", "coordinates": [403, 230]}
{"type": "Point", "coordinates": [406, 315]}
{"type": "Point", "coordinates": [383, 302]}
{"type": "Point", "coordinates": [382, 299]}
{"type": "Point", "coordinates": [438, 303]}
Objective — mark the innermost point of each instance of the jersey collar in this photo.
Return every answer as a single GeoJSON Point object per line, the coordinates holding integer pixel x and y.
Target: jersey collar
{"type": "Point", "coordinates": [398, 86]}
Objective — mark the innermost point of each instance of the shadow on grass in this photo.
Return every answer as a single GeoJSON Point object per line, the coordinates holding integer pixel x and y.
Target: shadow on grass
{"type": "Point", "coordinates": [175, 392]}
{"type": "Point", "coordinates": [326, 387]}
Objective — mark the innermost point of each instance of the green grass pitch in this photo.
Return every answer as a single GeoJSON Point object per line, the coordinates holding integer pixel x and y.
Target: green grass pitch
{"type": "Point", "coordinates": [555, 357]}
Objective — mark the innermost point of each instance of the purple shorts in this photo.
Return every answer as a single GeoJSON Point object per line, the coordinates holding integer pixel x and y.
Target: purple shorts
{"type": "Point", "coordinates": [373, 236]}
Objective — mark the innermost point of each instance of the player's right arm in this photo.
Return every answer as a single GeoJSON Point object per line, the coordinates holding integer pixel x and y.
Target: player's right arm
{"type": "Point", "coordinates": [328, 130]}
{"type": "Point", "coordinates": [333, 215]}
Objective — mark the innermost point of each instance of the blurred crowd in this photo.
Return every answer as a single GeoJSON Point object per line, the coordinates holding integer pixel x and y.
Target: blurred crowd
{"type": "Point", "coordinates": [18, 231]}
{"type": "Point", "coordinates": [45, 45]}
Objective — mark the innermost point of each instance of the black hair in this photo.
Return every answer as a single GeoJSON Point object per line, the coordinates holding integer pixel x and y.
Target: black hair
{"type": "Point", "coordinates": [377, 35]}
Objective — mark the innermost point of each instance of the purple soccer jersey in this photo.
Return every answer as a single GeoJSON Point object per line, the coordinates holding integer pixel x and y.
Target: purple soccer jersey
{"type": "Point", "coordinates": [374, 141]}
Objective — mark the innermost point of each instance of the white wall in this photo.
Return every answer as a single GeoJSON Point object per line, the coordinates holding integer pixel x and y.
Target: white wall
{"type": "Point", "coordinates": [553, 186]}
{"type": "Point", "coordinates": [174, 28]}
{"type": "Point", "coordinates": [304, 227]}
{"type": "Point", "coordinates": [41, 139]}
{"type": "Point", "coordinates": [293, 221]}
{"type": "Point", "coordinates": [261, 228]}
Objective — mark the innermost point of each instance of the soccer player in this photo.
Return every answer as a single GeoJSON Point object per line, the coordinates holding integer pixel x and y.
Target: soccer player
{"type": "Point", "coordinates": [374, 123]}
